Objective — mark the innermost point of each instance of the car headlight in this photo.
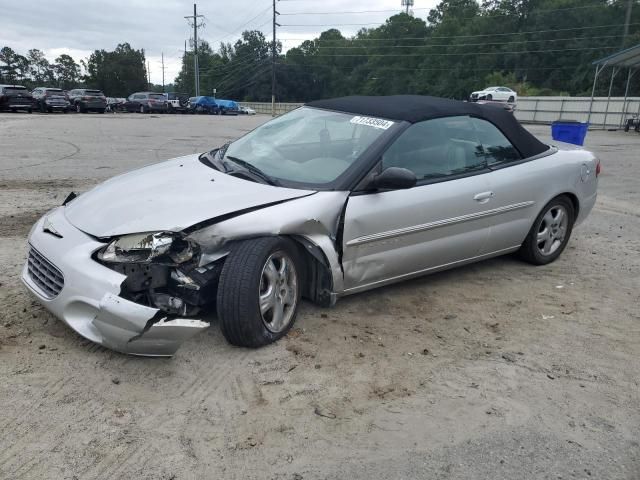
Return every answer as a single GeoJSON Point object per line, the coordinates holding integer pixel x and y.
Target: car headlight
{"type": "Point", "coordinates": [144, 247]}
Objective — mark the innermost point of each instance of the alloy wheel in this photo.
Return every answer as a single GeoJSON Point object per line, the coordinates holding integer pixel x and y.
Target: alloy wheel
{"type": "Point", "coordinates": [552, 230]}
{"type": "Point", "coordinates": [278, 293]}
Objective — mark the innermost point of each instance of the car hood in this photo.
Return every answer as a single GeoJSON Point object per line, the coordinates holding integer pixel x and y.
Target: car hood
{"type": "Point", "coordinates": [168, 196]}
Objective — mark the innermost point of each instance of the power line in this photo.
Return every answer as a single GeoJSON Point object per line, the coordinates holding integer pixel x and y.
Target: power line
{"type": "Point", "coordinates": [466, 44]}
{"type": "Point", "coordinates": [347, 13]}
{"type": "Point", "coordinates": [432, 69]}
{"type": "Point", "coordinates": [447, 54]}
{"type": "Point", "coordinates": [465, 36]}
{"type": "Point", "coordinates": [482, 15]}
{"type": "Point", "coordinates": [243, 25]}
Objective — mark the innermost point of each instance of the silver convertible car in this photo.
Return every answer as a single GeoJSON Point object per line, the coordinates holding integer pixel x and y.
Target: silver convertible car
{"type": "Point", "coordinates": [333, 198]}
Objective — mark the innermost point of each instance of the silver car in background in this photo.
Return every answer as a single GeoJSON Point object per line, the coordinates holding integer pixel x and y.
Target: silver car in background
{"type": "Point", "coordinates": [334, 198]}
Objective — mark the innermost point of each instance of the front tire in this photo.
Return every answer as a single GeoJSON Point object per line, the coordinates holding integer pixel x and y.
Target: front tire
{"type": "Point", "coordinates": [511, 99]}
{"type": "Point", "coordinates": [550, 232]}
{"type": "Point", "coordinates": [259, 291]}
{"type": "Point", "coordinates": [489, 97]}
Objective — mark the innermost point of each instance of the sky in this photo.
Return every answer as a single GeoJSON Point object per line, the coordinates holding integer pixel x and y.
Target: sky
{"type": "Point", "coordinates": [80, 27]}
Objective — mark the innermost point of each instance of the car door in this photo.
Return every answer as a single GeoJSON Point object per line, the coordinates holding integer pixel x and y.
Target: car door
{"type": "Point", "coordinates": [443, 220]}
{"type": "Point", "coordinates": [518, 187]}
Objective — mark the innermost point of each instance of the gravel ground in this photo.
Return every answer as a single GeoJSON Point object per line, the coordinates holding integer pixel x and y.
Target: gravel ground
{"type": "Point", "coordinates": [497, 370]}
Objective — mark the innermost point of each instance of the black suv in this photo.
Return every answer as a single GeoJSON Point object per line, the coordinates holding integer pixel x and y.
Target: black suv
{"type": "Point", "coordinates": [145, 102]}
{"type": "Point", "coordinates": [85, 100]}
{"type": "Point", "coordinates": [50, 99]}
{"type": "Point", "coordinates": [15, 97]}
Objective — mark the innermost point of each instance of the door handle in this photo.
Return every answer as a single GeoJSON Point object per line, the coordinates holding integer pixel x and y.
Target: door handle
{"type": "Point", "coordinates": [483, 197]}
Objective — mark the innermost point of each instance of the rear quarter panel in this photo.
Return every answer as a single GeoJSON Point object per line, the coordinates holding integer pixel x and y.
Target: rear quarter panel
{"type": "Point", "coordinates": [568, 170]}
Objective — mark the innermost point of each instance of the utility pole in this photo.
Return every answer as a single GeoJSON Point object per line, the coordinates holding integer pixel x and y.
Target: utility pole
{"type": "Point", "coordinates": [407, 4]}
{"type": "Point", "coordinates": [163, 67]}
{"type": "Point", "coordinates": [627, 19]}
{"type": "Point", "coordinates": [273, 62]}
{"type": "Point", "coordinates": [148, 75]}
{"type": "Point", "coordinates": [196, 25]}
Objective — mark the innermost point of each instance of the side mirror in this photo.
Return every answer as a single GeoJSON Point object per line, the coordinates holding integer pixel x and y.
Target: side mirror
{"type": "Point", "coordinates": [394, 178]}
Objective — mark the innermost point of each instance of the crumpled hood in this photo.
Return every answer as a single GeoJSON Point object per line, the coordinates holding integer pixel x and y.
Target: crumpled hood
{"type": "Point", "coordinates": [168, 196]}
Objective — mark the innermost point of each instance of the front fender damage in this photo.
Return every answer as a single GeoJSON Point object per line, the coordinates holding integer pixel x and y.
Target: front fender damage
{"type": "Point", "coordinates": [161, 305]}
{"type": "Point", "coordinates": [314, 218]}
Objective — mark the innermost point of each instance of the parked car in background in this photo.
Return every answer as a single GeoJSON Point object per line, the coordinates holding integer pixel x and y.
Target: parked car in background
{"type": "Point", "coordinates": [509, 107]}
{"type": "Point", "coordinates": [228, 107]}
{"type": "Point", "coordinates": [115, 104]}
{"type": "Point", "coordinates": [15, 97]}
{"type": "Point", "coordinates": [246, 111]}
{"type": "Point", "coordinates": [146, 102]}
{"type": "Point", "coordinates": [86, 100]}
{"type": "Point", "coordinates": [177, 102]}
{"type": "Point", "coordinates": [501, 94]}
{"type": "Point", "coordinates": [204, 104]}
{"type": "Point", "coordinates": [50, 99]}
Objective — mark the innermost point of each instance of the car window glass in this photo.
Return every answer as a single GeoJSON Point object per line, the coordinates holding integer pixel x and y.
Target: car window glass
{"type": "Point", "coordinates": [496, 147]}
{"type": "Point", "coordinates": [309, 145]}
{"type": "Point", "coordinates": [437, 148]}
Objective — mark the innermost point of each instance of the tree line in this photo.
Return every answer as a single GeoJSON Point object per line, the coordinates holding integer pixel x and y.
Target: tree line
{"type": "Point", "coordinates": [537, 47]}
{"type": "Point", "coordinates": [117, 73]}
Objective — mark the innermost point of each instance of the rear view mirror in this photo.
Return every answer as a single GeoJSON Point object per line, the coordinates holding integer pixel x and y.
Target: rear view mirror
{"type": "Point", "coordinates": [394, 178]}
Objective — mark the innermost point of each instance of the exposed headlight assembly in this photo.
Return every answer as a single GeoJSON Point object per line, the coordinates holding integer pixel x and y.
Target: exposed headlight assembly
{"type": "Point", "coordinates": [145, 247]}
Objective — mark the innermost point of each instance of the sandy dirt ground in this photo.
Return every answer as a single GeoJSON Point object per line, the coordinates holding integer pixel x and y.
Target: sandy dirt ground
{"type": "Point", "coordinates": [498, 370]}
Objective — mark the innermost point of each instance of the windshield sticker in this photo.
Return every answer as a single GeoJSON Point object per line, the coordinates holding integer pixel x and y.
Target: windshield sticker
{"type": "Point", "coordinates": [372, 122]}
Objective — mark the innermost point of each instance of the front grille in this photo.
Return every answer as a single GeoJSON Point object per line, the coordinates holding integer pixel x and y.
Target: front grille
{"type": "Point", "coordinates": [44, 274]}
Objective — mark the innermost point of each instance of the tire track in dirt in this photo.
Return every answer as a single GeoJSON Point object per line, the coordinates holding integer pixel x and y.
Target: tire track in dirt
{"type": "Point", "coordinates": [64, 157]}
{"type": "Point", "coordinates": [9, 454]}
{"type": "Point", "coordinates": [213, 385]}
{"type": "Point", "coordinates": [121, 457]}
{"type": "Point", "coordinates": [19, 224]}
{"type": "Point", "coordinates": [51, 390]}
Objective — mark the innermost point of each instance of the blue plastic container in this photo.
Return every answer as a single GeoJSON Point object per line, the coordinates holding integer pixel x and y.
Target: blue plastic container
{"type": "Point", "coordinates": [569, 131]}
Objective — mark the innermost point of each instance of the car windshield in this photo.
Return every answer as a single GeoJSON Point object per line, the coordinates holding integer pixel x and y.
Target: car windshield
{"type": "Point", "coordinates": [157, 96]}
{"type": "Point", "coordinates": [93, 93]}
{"type": "Point", "coordinates": [308, 145]}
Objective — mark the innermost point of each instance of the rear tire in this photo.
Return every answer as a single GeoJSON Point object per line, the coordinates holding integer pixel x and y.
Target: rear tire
{"type": "Point", "coordinates": [259, 291]}
{"type": "Point", "coordinates": [550, 232]}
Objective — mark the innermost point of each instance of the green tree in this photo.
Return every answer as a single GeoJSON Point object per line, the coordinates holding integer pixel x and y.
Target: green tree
{"type": "Point", "coordinates": [117, 73]}
{"type": "Point", "coordinates": [67, 72]}
{"type": "Point", "coordinates": [40, 70]}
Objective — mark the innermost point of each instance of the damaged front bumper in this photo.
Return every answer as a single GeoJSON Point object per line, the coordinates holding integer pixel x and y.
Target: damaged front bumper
{"type": "Point", "coordinates": [85, 294]}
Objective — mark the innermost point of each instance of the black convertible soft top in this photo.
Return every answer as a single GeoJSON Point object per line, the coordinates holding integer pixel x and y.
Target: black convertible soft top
{"type": "Point", "coordinates": [417, 108]}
